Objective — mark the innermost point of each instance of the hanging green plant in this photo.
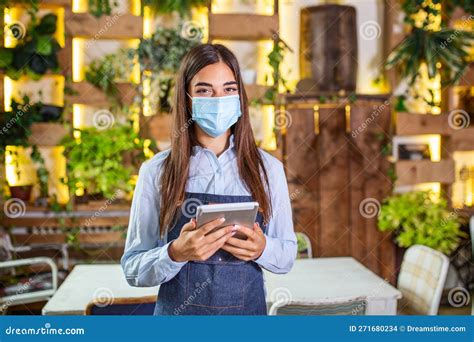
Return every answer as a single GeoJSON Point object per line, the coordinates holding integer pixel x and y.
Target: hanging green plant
{"type": "Point", "coordinates": [275, 59]}
{"type": "Point", "coordinates": [183, 7]}
{"type": "Point", "coordinates": [161, 56]}
{"type": "Point", "coordinates": [105, 72]}
{"type": "Point", "coordinates": [99, 8]}
{"type": "Point", "coordinates": [442, 49]}
{"type": "Point", "coordinates": [35, 53]}
{"type": "Point", "coordinates": [415, 218]}
{"type": "Point", "coordinates": [42, 173]}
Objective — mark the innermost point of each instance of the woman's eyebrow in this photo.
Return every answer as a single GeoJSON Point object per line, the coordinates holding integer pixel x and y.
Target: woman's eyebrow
{"type": "Point", "coordinates": [230, 82]}
{"type": "Point", "coordinates": [203, 84]}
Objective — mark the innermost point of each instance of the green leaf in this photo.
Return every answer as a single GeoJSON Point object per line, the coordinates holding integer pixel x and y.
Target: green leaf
{"type": "Point", "coordinates": [44, 45]}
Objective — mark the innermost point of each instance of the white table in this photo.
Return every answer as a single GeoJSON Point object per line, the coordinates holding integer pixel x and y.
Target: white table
{"type": "Point", "coordinates": [310, 280]}
{"type": "Point", "coordinates": [324, 279]}
{"type": "Point", "coordinates": [86, 282]}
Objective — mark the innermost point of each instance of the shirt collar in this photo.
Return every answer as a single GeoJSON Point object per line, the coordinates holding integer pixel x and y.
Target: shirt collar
{"type": "Point", "coordinates": [197, 148]}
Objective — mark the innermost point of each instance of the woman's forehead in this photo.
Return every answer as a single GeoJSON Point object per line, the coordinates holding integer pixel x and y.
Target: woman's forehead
{"type": "Point", "coordinates": [216, 74]}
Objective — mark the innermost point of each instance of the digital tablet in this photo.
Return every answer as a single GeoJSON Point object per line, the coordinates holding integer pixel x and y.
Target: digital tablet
{"type": "Point", "coordinates": [242, 213]}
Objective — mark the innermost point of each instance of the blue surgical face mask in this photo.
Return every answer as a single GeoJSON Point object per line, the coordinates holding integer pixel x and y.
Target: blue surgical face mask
{"type": "Point", "coordinates": [215, 115]}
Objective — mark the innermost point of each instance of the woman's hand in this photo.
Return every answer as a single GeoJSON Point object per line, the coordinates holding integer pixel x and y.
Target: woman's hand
{"type": "Point", "coordinates": [197, 244]}
{"type": "Point", "coordinates": [249, 249]}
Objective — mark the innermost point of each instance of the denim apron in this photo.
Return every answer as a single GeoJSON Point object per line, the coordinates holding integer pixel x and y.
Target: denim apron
{"type": "Point", "coordinates": [220, 285]}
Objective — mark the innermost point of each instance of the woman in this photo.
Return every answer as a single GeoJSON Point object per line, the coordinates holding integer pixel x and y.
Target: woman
{"type": "Point", "coordinates": [213, 159]}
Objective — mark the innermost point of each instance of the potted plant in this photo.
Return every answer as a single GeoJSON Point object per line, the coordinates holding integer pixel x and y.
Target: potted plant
{"type": "Point", "coordinates": [415, 218]}
{"type": "Point", "coordinates": [24, 126]}
{"type": "Point", "coordinates": [35, 53]}
{"type": "Point", "coordinates": [97, 160]}
{"type": "Point", "coordinates": [15, 131]}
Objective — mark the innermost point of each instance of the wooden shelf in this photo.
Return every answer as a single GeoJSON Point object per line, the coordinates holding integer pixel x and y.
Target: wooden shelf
{"type": "Point", "coordinates": [416, 124]}
{"type": "Point", "coordinates": [410, 172]}
{"type": "Point", "coordinates": [242, 26]}
{"type": "Point", "coordinates": [47, 133]}
{"type": "Point", "coordinates": [85, 215]}
{"type": "Point", "coordinates": [85, 25]}
{"type": "Point", "coordinates": [91, 95]}
{"type": "Point", "coordinates": [60, 238]}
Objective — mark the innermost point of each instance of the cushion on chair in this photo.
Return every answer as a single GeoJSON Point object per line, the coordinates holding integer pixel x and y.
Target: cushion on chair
{"type": "Point", "coordinates": [419, 279]}
{"type": "Point", "coordinates": [351, 308]}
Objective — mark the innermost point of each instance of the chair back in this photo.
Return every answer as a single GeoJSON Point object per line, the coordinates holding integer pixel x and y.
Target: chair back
{"type": "Point", "coordinates": [354, 306]}
{"type": "Point", "coordinates": [123, 306]}
{"type": "Point", "coordinates": [304, 244]}
{"type": "Point", "coordinates": [421, 279]}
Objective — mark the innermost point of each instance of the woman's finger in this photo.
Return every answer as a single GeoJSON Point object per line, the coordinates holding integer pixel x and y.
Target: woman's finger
{"type": "Point", "coordinates": [203, 230]}
{"type": "Point", "coordinates": [249, 232]}
{"type": "Point", "coordinates": [237, 251]}
{"type": "Point", "coordinates": [211, 237]}
{"type": "Point", "coordinates": [191, 225]}
{"type": "Point", "coordinates": [217, 244]}
{"type": "Point", "coordinates": [239, 243]}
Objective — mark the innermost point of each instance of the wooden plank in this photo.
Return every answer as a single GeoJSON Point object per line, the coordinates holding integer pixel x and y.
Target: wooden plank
{"type": "Point", "coordinates": [117, 26]}
{"type": "Point", "coordinates": [369, 119]}
{"type": "Point", "coordinates": [47, 133]}
{"type": "Point", "coordinates": [242, 26]}
{"type": "Point", "coordinates": [333, 153]}
{"type": "Point", "coordinates": [301, 161]}
{"type": "Point", "coordinates": [93, 96]}
{"type": "Point", "coordinates": [393, 34]}
{"type": "Point", "coordinates": [65, 57]}
{"type": "Point", "coordinates": [467, 80]}
{"type": "Point", "coordinates": [255, 91]}
{"type": "Point", "coordinates": [410, 172]}
{"type": "Point", "coordinates": [463, 139]}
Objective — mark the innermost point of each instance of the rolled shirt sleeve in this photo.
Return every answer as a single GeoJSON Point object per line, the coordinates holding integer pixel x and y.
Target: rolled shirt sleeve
{"type": "Point", "coordinates": [146, 261]}
{"type": "Point", "coordinates": [280, 251]}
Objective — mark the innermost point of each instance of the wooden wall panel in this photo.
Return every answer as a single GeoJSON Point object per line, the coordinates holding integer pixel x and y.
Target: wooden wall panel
{"type": "Point", "coordinates": [334, 169]}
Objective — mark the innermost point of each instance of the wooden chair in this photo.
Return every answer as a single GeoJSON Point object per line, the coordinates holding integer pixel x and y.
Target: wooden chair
{"type": "Point", "coordinates": [123, 306]}
{"type": "Point", "coordinates": [356, 306]}
{"type": "Point", "coordinates": [421, 280]}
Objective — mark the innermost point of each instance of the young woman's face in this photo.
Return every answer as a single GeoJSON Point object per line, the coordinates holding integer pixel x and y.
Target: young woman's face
{"type": "Point", "coordinates": [213, 80]}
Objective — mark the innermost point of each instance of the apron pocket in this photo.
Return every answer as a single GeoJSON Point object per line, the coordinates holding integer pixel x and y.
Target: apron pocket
{"type": "Point", "coordinates": [215, 285]}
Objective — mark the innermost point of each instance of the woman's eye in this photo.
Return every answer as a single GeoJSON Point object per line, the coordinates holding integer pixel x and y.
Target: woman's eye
{"type": "Point", "coordinates": [231, 90]}
{"type": "Point", "coordinates": [203, 91]}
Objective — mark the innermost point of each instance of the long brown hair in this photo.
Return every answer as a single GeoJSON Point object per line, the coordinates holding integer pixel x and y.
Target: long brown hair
{"type": "Point", "coordinates": [176, 166]}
